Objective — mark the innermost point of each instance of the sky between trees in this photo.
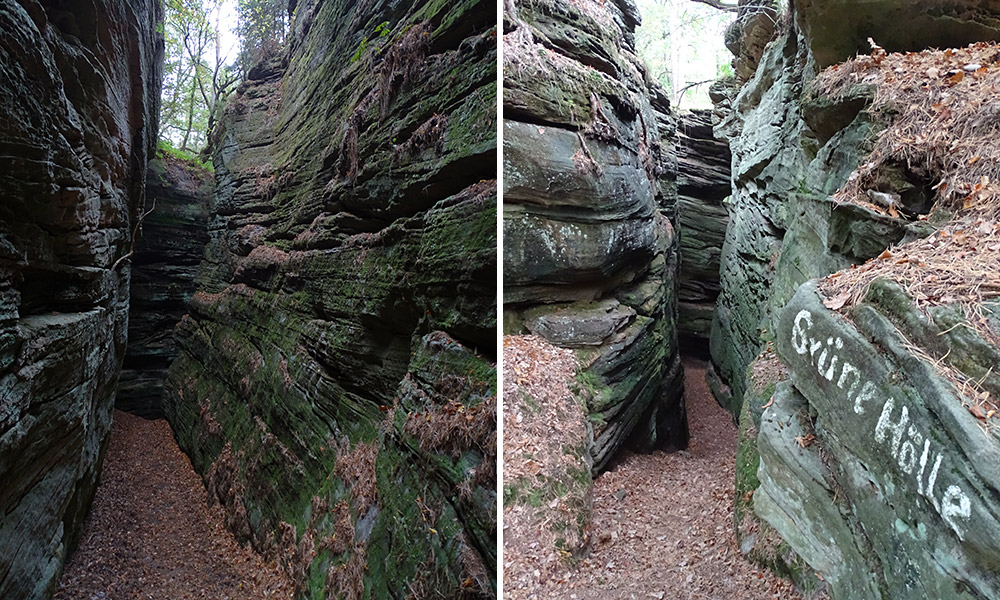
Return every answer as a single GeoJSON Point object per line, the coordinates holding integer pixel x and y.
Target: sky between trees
{"type": "Point", "coordinates": [210, 45]}
{"type": "Point", "coordinates": [682, 43]}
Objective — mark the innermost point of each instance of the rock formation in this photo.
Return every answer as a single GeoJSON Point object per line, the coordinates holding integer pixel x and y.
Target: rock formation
{"type": "Point", "coordinates": [702, 185]}
{"type": "Point", "coordinates": [170, 248]}
{"type": "Point", "coordinates": [336, 380]}
{"type": "Point", "coordinates": [80, 91]}
{"type": "Point", "coordinates": [859, 469]}
{"type": "Point", "coordinates": [746, 37]}
{"type": "Point", "coordinates": [590, 251]}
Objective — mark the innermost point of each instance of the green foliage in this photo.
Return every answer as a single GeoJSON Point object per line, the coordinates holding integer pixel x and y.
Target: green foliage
{"type": "Point", "coordinates": [193, 84]}
{"type": "Point", "coordinates": [262, 27]}
{"type": "Point", "coordinates": [381, 30]}
{"type": "Point", "coordinates": [165, 149]}
{"type": "Point", "coordinates": [361, 50]}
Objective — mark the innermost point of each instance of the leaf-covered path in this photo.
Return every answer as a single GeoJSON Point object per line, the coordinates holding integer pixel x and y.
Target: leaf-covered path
{"type": "Point", "coordinates": [150, 534]}
{"type": "Point", "coordinates": [662, 525]}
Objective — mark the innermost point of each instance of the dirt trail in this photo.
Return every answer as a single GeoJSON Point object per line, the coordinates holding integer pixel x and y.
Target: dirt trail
{"type": "Point", "coordinates": [662, 524]}
{"type": "Point", "coordinates": [150, 534]}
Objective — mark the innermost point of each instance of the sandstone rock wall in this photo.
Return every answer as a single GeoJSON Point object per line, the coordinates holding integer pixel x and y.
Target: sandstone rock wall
{"type": "Point", "coordinates": [703, 184]}
{"type": "Point", "coordinates": [170, 248]}
{"type": "Point", "coordinates": [590, 250]}
{"type": "Point", "coordinates": [336, 379]}
{"type": "Point", "coordinates": [834, 485]}
{"type": "Point", "coordinates": [80, 93]}
{"type": "Point", "coordinates": [897, 494]}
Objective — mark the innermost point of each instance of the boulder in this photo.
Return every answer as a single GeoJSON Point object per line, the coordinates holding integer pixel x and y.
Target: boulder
{"type": "Point", "coordinates": [80, 92]}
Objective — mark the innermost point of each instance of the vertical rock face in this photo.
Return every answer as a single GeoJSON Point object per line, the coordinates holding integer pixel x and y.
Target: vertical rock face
{"type": "Point", "coordinates": [702, 185]}
{"type": "Point", "coordinates": [790, 153]}
{"type": "Point", "coordinates": [172, 244]}
{"type": "Point", "coordinates": [589, 193]}
{"type": "Point", "coordinates": [841, 425]}
{"type": "Point", "coordinates": [80, 91]}
{"type": "Point", "coordinates": [335, 383]}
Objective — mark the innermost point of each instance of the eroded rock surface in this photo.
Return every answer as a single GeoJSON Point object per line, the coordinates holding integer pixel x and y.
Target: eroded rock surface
{"type": "Point", "coordinates": [841, 419]}
{"type": "Point", "coordinates": [80, 91]}
{"type": "Point", "coordinates": [702, 186]}
{"type": "Point", "coordinates": [166, 259]}
{"type": "Point", "coordinates": [335, 384]}
{"type": "Point", "coordinates": [590, 252]}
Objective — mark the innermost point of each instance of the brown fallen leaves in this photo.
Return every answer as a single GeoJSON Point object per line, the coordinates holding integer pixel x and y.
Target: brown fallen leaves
{"type": "Point", "coordinates": [663, 523]}
{"type": "Point", "coordinates": [940, 109]}
{"type": "Point", "coordinates": [805, 440]}
{"type": "Point", "coordinates": [150, 533]}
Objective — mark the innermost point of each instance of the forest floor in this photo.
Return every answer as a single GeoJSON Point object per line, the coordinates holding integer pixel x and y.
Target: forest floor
{"type": "Point", "coordinates": [150, 534]}
{"type": "Point", "coordinates": [661, 526]}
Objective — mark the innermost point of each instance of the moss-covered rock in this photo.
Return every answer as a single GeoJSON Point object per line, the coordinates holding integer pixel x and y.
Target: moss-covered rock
{"type": "Point", "coordinates": [590, 209]}
{"type": "Point", "coordinates": [335, 384]}
{"type": "Point", "coordinates": [166, 259]}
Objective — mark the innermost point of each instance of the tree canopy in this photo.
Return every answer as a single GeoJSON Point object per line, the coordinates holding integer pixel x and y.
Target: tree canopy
{"type": "Point", "coordinates": [262, 26]}
{"type": "Point", "coordinates": [682, 43]}
{"type": "Point", "coordinates": [199, 73]}
{"type": "Point", "coordinates": [195, 74]}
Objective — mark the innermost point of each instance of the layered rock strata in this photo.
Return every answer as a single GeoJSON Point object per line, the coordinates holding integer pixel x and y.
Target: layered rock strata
{"type": "Point", "coordinates": [703, 164]}
{"type": "Point", "coordinates": [336, 379]}
{"type": "Point", "coordinates": [172, 244]}
{"type": "Point", "coordinates": [895, 495]}
{"type": "Point", "coordinates": [590, 254]}
{"type": "Point", "coordinates": [841, 421]}
{"type": "Point", "coordinates": [80, 91]}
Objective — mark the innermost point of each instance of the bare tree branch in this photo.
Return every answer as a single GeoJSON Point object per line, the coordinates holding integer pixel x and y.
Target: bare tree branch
{"type": "Point", "coordinates": [720, 5]}
{"type": "Point", "coordinates": [680, 93]}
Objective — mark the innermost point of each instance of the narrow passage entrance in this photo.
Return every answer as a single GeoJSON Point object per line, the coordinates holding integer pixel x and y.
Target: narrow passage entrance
{"type": "Point", "coordinates": [661, 525]}
{"type": "Point", "coordinates": [150, 534]}
{"type": "Point", "coordinates": [663, 522]}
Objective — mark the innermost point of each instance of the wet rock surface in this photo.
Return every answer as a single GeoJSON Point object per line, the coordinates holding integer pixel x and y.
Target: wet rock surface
{"type": "Point", "coordinates": [336, 385]}
{"type": "Point", "coordinates": [590, 203]}
{"type": "Point", "coordinates": [166, 259]}
{"type": "Point", "coordinates": [80, 93]}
